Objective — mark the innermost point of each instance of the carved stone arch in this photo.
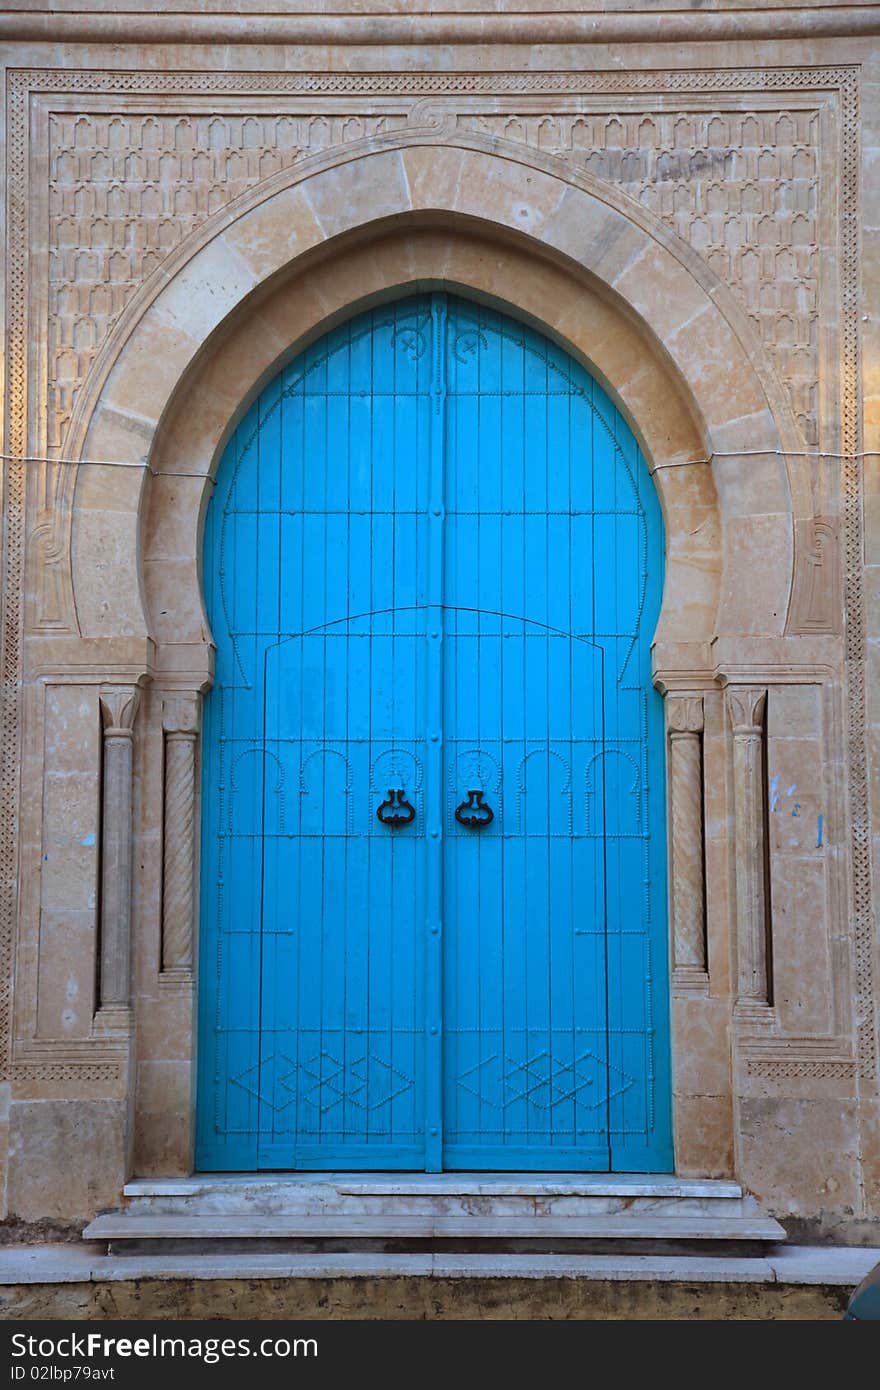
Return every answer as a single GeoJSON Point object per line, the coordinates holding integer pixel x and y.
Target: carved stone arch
{"type": "Point", "coordinates": [346, 281]}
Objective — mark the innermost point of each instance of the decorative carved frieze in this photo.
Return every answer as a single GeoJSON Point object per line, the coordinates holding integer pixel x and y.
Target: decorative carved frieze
{"type": "Point", "coordinates": [684, 720]}
{"type": "Point", "coordinates": [799, 1069]}
{"type": "Point", "coordinates": [119, 705]}
{"type": "Point", "coordinates": [746, 710]}
{"type": "Point", "coordinates": [740, 187]}
{"type": "Point", "coordinates": [68, 1068]}
{"type": "Point", "coordinates": [124, 191]}
{"type": "Point", "coordinates": [180, 723]}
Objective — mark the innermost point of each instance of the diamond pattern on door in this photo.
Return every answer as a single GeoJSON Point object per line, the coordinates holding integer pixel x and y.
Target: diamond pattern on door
{"type": "Point", "coordinates": [338, 1083]}
{"type": "Point", "coordinates": [544, 1082]}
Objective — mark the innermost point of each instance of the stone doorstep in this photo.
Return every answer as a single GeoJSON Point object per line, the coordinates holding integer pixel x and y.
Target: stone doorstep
{"type": "Point", "coordinates": [840, 1266]}
{"type": "Point", "coordinates": [120, 1226]}
{"type": "Point", "coordinates": [435, 1184]}
{"type": "Point", "coordinates": [442, 1194]}
{"type": "Point", "coordinates": [636, 1213]}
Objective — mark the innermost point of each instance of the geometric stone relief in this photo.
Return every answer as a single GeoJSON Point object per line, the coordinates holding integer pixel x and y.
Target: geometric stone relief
{"type": "Point", "coordinates": [124, 191]}
{"type": "Point", "coordinates": [59, 1074]}
{"type": "Point", "coordinates": [40, 1063]}
{"type": "Point", "coordinates": [739, 187]}
{"type": "Point", "coordinates": [796, 1068]}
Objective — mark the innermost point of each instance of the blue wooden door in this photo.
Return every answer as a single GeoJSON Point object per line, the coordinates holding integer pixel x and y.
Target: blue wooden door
{"type": "Point", "coordinates": [433, 929]}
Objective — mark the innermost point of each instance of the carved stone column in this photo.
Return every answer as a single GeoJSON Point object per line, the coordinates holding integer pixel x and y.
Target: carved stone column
{"type": "Point", "coordinates": [746, 709]}
{"type": "Point", "coordinates": [684, 717]}
{"type": "Point", "coordinates": [119, 705]}
{"type": "Point", "coordinates": [180, 722]}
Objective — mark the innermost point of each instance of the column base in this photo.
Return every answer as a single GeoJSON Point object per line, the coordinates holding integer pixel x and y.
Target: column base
{"type": "Point", "coordinates": [114, 1020]}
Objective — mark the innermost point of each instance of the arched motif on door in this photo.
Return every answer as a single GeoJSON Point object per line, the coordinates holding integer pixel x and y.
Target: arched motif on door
{"type": "Point", "coordinates": [433, 564]}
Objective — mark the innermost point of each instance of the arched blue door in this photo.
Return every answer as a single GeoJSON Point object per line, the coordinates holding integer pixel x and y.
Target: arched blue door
{"type": "Point", "coordinates": [433, 900]}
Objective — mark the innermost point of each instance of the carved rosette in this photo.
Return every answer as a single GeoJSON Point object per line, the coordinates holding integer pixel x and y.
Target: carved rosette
{"type": "Point", "coordinates": [684, 720]}
{"type": "Point", "coordinates": [746, 710]}
{"type": "Point", "coordinates": [180, 723]}
{"type": "Point", "coordinates": [119, 706]}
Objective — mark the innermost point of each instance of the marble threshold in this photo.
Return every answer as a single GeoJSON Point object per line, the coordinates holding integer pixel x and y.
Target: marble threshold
{"type": "Point", "coordinates": [437, 1184]}
{"type": "Point", "coordinates": [125, 1226]}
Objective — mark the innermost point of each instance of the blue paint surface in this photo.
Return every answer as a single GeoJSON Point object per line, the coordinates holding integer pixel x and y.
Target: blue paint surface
{"type": "Point", "coordinates": [88, 840]}
{"type": "Point", "coordinates": [820, 830]}
{"type": "Point", "coordinates": [433, 565]}
{"type": "Point", "coordinates": [774, 793]}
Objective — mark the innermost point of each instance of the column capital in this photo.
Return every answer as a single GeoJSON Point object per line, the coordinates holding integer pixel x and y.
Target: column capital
{"type": "Point", "coordinates": [119, 707]}
{"type": "Point", "coordinates": [181, 714]}
{"type": "Point", "coordinates": [745, 706]}
{"type": "Point", "coordinates": [684, 714]}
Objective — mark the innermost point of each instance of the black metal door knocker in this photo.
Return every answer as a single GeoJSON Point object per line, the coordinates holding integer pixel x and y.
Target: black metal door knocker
{"type": "Point", "coordinates": [396, 810]}
{"type": "Point", "coordinates": [475, 812]}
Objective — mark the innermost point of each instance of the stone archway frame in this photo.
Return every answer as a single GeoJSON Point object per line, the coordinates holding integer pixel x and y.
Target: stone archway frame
{"type": "Point", "coordinates": [348, 278]}
{"type": "Point", "coordinates": [584, 263]}
{"type": "Point", "coordinates": [686, 318]}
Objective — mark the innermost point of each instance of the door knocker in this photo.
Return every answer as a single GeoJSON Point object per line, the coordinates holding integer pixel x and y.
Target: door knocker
{"type": "Point", "coordinates": [396, 810]}
{"type": "Point", "coordinates": [475, 812]}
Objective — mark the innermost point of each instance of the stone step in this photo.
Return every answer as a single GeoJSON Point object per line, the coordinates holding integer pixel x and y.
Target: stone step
{"type": "Point", "coordinates": [336, 1204]}
{"type": "Point", "coordinates": [437, 1194]}
{"type": "Point", "coordinates": [245, 1186]}
{"type": "Point", "coordinates": [491, 1211]}
{"type": "Point", "coordinates": [121, 1227]}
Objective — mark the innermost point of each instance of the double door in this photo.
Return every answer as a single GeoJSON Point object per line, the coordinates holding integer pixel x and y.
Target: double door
{"type": "Point", "coordinates": [432, 869]}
